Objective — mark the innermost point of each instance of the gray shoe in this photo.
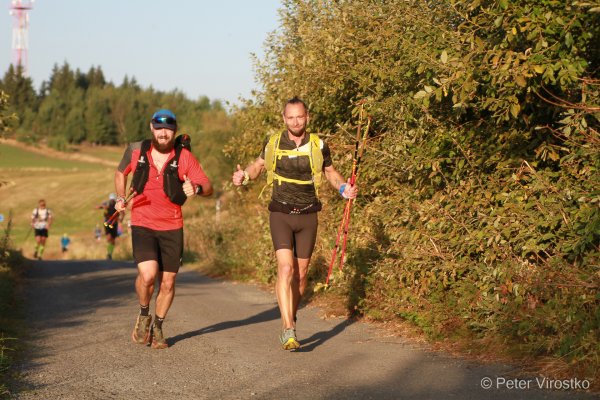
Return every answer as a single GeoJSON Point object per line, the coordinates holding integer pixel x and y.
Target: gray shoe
{"type": "Point", "coordinates": [158, 339]}
{"type": "Point", "coordinates": [141, 332]}
{"type": "Point", "coordinates": [288, 339]}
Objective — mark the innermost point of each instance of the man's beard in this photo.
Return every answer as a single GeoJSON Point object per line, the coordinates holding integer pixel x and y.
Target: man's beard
{"type": "Point", "coordinates": [163, 147]}
{"type": "Point", "coordinates": [298, 133]}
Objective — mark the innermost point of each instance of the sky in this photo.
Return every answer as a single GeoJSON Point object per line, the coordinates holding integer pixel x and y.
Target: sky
{"type": "Point", "coordinates": [200, 47]}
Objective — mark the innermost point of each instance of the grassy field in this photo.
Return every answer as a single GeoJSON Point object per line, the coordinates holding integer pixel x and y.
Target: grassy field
{"type": "Point", "coordinates": [72, 190]}
{"type": "Point", "coordinates": [14, 158]}
{"type": "Point", "coordinates": [108, 153]}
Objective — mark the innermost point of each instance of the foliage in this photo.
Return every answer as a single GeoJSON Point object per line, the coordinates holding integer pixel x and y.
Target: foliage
{"type": "Point", "coordinates": [21, 92]}
{"type": "Point", "coordinates": [220, 237]}
{"type": "Point", "coordinates": [5, 117]}
{"type": "Point", "coordinates": [479, 209]}
{"type": "Point", "coordinates": [10, 262]}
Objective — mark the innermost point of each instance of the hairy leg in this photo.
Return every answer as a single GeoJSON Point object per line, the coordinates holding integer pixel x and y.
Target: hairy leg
{"type": "Point", "coordinates": [144, 283]}
{"type": "Point", "coordinates": [299, 282]}
{"type": "Point", "coordinates": [166, 293]}
{"type": "Point", "coordinates": [283, 286]}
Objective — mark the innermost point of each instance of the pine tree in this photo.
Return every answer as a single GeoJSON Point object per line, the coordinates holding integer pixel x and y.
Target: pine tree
{"type": "Point", "coordinates": [99, 126]}
{"type": "Point", "coordinates": [20, 91]}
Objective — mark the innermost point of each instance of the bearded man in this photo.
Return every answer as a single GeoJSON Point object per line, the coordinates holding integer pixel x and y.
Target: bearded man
{"type": "Point", "coordinates": [294, 161]}
{"type": "Point", "coordinates": [164, 175]}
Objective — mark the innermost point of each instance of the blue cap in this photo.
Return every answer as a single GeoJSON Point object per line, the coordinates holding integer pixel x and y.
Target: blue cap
{"type": "Point", "coordinates": [164, 119]}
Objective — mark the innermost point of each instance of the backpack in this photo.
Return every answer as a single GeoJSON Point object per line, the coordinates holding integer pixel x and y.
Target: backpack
{"type": "Point", "coordinates": [274, 153]}
{"type": "Point", "coordinates": [36, 214]}
{"type": "Point", "coordinates": [172, 185]}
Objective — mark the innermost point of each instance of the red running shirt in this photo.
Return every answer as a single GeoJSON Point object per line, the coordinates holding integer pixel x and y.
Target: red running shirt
{"type": "Point", "coordinates": [152, 209]}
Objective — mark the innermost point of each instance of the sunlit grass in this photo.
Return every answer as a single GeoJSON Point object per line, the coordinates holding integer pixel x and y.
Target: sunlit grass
{"type": "Point", "coordinates": [107, 153]}
{"type": "Point", "coordinates": [15, 158]}
{"type": "Point", "coordinates": [72, 190]}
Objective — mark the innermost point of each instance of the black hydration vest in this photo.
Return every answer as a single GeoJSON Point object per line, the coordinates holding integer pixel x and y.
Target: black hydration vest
{"type": "Point", "coordinates": [172, 185]}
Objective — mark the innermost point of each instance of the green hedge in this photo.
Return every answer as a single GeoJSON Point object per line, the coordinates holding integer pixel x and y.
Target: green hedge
{"type": "Point", "coordinates": [479, 210]}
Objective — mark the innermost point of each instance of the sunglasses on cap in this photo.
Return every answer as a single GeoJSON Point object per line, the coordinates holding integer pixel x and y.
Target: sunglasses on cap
{"type": "Point", "coordinates": [164, 120]}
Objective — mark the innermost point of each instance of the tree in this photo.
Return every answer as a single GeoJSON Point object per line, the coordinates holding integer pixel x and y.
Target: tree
{"type": "Point", "coordinates": [73, 128]}
{"type": "Point", "coordinates": [20, 90]}
{"type": "Point", "coordinates": [5, 116]}
{"type": "Point", "coordinates": [62, 79]}
{"type": "Point", "coordinates": [99, 126]}
{"type": "Point", "coordinates": [95, 77]}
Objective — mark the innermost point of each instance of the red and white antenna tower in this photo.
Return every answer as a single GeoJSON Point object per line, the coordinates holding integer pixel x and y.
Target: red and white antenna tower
{"type": "Point", "coordinates": [19, 9]}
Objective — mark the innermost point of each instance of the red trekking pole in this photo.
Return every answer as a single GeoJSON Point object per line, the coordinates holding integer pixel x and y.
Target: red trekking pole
{"type": "Point", "coordinates": [350, 201]}
{"type": "Point", "coordinates": [337, 243]}
{"type": "Point", "coordinates": [347, 209]}
{"type": "Point", "coordinates": [113, 218]}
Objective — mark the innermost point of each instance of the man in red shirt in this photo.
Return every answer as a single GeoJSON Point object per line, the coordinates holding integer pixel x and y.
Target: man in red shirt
{"type": "Point", "coordinates": [156, 219]}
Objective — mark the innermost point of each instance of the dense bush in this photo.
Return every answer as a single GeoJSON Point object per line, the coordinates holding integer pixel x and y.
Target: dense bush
{"type": "Point", "coordinates": [479, 209]}
{"type": "Point", "coordinates": [11, 266]}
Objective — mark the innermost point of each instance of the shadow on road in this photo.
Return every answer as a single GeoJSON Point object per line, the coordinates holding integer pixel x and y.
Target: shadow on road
{"type": "Point", "coordinates": [308, 345]}
{"type": "Point", "coordinates": [267, 315]}
{"type": "Point", "coordinates": [59, 291]}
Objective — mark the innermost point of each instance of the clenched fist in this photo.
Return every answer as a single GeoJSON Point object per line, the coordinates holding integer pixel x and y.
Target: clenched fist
{"type": "Point", "coordinates": [240, 177]}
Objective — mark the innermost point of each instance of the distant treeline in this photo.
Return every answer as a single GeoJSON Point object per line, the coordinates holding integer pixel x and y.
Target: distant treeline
{"type": "Point", "coordinates": [73, 107]}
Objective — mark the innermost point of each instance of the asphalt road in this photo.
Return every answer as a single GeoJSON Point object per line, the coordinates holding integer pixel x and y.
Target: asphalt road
{"type": "Point", "coordinates": [223, 345]}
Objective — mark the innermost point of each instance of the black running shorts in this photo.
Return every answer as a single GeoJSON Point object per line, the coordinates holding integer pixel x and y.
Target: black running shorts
{"type": "Point", "coordinates": [296, 232]}
{"type": "Point", "coordinates": [41, 232]}
{"type": "Point", "coordinates": [166, 247]}
{"type": "Point", "coordinates": [114, 231]}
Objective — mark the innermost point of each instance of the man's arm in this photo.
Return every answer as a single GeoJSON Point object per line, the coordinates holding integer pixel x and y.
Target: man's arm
{"type": "Point", "coordinates": [120, 187]}
{"type": "Point", "coordinates": [207, 189]}
{"type": "Point", "coordinates": [335, 178]}
{"type": "Point", "coordinates": [251, 172]}
{"type": "Point", "coordinates": [337, 181]}
{"type": "Point", "coordinates": [195, 181]}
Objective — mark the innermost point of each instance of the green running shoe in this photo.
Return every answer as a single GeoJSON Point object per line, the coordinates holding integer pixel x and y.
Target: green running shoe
{"type": "Point", "coordinates": [141, 332]}
{"type": "Point", "coordinates": [288, 340]}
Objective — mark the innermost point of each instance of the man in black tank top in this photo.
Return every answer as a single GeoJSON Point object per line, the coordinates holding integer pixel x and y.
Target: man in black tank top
{"type": "Point", "coordinates": [293, 208]}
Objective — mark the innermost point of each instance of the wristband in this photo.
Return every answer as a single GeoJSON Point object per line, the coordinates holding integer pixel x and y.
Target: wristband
{"type": "Point", "coordinates": [120, 198]}
{"type": "Point", "coordinates": [246, 178]}
{"type": "Point", "coordinates": [341, 190]}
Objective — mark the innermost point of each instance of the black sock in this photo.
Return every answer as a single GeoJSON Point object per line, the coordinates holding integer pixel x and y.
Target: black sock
{"type": "Point", "coordinates": [158, 321]}
{"type": "Point", "coordinates": [144, 310]}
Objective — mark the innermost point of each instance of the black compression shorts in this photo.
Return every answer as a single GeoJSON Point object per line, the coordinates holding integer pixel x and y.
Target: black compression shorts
{"type": "Point", "coordinates": [41, 232]}
{"type": "Point", "coordinates": [166, 247]}
{"type": "Point", "coordinates": [297, 232]}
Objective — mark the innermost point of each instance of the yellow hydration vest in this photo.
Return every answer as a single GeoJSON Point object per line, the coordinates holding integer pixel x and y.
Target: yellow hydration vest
{"type": "Point", "coordinates": [274, 153]}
